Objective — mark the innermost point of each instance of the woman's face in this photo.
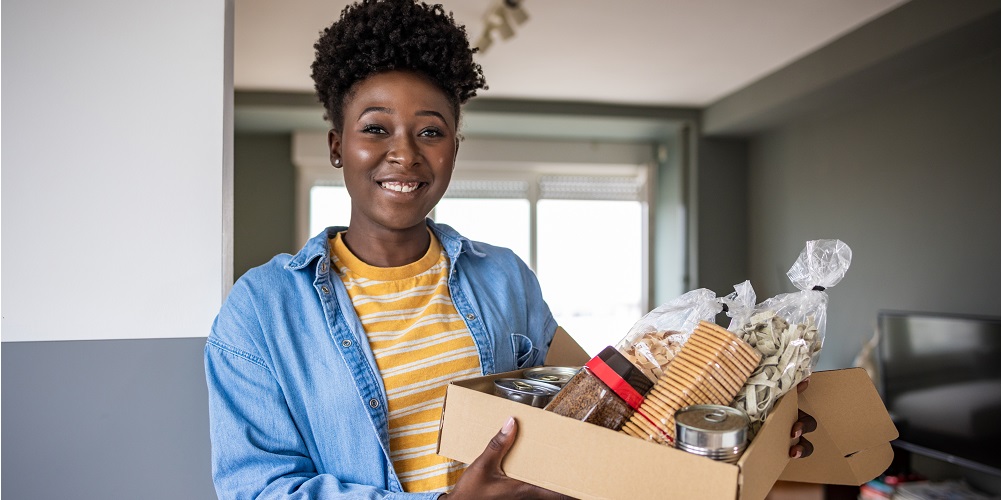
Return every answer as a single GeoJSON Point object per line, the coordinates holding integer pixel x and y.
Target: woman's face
{"type": "Point", "coordinates": [397, 147]}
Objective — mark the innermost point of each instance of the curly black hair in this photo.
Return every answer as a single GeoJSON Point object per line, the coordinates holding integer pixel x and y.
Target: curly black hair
{"type": "Point", "coordinates": [374, 36]}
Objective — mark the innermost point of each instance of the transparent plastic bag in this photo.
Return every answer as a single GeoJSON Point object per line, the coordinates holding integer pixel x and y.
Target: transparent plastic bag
{"type": "Point", "coordinates": [789, 329]}
{"type": "Point", "coordinates": [658, 336]}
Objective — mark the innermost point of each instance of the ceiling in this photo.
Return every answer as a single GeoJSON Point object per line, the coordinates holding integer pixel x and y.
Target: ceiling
{"type": "Point", "coordinates": [680, 53]}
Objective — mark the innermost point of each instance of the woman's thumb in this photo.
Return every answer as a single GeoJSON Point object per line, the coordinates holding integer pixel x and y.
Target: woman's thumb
{"type": "Point", "coordinates": [499, 445]}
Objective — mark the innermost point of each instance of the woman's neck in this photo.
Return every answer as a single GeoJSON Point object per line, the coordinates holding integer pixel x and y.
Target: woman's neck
{"type": "Point", "coordinates": [384, 247]}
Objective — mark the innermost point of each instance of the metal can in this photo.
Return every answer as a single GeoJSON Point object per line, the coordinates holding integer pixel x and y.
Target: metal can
{"type": "Point", "coordinates": [556, 375]}
{"type": "Point", "coordinates": [531, 392]}
{"type": "Point", "coordinates": [714, 431]}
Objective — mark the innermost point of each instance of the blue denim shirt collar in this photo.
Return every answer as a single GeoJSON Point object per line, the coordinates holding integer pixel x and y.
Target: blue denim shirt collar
{"type": "Point", "coordinates": [318, 246]}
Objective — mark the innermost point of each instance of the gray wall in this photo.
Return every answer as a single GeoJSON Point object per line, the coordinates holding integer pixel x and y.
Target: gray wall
{"type": "Point", "coordinates": [105, 420]}
{"type": "Point", "coordinates": [263, 199]}
{"type": "Point", "coordinates": [722, 219]}
{"type": "Point", "coordinates": [909, 177]}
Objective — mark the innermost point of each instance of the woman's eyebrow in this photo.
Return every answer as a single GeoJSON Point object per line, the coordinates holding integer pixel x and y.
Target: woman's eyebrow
{"type": "Point", "coordinates": [376, 109]}
{"type": "Point", "coordinates": [429, 112]}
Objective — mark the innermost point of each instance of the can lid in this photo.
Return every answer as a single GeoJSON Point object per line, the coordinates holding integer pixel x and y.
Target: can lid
{"type": "Point", "coordinates": [558, 375]}
{"type": "Point", "coordinates": [526, 386]}
{"type": "Point", "coordinates": [712, 418]}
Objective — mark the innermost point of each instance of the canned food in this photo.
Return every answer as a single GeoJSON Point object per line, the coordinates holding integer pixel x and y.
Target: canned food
{"type": "Point", "coordinates": [556, 375]}
{"type": "Point", "coordinates": [531, 392]}
{"type": "Point", "coordinates": [714, 431]}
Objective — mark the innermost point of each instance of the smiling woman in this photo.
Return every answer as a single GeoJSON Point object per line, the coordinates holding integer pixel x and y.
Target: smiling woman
{"type": "Point", "coordinates": [327, 369]}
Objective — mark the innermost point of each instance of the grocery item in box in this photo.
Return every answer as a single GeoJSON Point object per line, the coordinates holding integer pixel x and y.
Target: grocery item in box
{"type": "Point", "coordinates": [658, 336]}
{"type": "Point", "coordinates": [788, 330]}
{"type": "Point", "coordinates": [604, 392]}
{"type": "Point", "coordinates": [710, 369]}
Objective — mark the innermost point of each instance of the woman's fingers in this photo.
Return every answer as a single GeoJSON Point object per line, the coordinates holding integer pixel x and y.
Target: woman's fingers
{"type": "Point", "coordinates": [485, 479]}
{"type": "Point", "coordinates": [498, 447]}
{"type": "Point", "coordinates": [804, 424]}
{"type": "Point", "coordinates": [802, 449]}
{"type": "Point", "coordinates": [802, 386]}
{"type": "Point", "coordinates": [806, 421]}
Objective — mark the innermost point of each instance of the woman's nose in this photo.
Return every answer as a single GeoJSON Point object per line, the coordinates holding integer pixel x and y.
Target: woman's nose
{"type": "Point", "coordinates": [403, 151]}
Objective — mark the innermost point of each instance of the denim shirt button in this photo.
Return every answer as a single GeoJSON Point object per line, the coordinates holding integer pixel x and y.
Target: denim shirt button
{"type": "Point", "coordinates": [346, 343]}
{"type": "Point", "coordinates": [374, 403]}
{"type": "Point", "coordinates": [325, 289]}
{"type": "Point", "coordinates": [323, 268]}
{"type": "Point", "coordinates": [471, 316]}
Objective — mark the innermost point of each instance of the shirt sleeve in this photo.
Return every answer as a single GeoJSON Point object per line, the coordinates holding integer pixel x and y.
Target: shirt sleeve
{"type": "Point", "coordinates": [257, 451]}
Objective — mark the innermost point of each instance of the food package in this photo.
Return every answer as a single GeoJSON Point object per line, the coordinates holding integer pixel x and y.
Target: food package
{"type": "Point", "coordinates": [658, 336]}
{"type": "Point", "coordinates": [605, 392]}
{"type": "Point", "coordinates": [788, 330]}
{"type": "Point", "coordinates": [710, 369]}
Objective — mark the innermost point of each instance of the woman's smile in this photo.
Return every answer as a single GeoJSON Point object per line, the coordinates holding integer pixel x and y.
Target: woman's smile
{"type": "Point", "coordinates": [402, 187]}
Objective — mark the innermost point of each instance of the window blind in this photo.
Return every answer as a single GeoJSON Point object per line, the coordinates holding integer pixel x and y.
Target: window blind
{"type": "Point", "coordinates": [620, 188]}
{"type": "Point", "coordinates": [463, 188]}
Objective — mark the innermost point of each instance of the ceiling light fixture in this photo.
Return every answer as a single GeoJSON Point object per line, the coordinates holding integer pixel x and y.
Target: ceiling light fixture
{"type": "Point", "coordinates": [498, 20]}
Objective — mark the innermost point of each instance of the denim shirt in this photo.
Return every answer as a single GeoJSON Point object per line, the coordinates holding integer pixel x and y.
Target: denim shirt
{"type": "Point", "coordinates": [297, 407]}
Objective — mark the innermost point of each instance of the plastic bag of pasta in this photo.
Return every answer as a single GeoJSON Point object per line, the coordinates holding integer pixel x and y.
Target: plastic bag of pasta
{"type": "Point", "coordinates": [789, 329]}
{"type": "Point", "coordinates": [657, 337]}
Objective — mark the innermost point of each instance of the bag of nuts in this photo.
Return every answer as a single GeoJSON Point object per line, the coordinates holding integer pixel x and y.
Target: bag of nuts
{"type": "Point", "coordinates": [657, 337]}
{"type": "Point", "coordinates": [788, 329]}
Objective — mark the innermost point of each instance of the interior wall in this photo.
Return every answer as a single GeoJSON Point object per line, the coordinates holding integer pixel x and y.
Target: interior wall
{"type": "Point", "coordinates": [114, 168]}
{"type": "Point", "coordinates": [264, 199]}
{"type": "Point", "coordinates": [116, 228]}
{"type": "Point", "coordinates": [722, 225]}
{"type": "Point", "coordinates": [106, 420]}
{"type": "Point", "coordinates": [909, 178]}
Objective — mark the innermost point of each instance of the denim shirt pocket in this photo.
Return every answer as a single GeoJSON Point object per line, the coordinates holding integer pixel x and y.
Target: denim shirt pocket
{"type": "Point", "coordinates": [525, 352]}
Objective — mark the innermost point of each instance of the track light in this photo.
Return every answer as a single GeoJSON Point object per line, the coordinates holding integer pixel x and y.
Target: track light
{"type": "Point", "coordinates": [498, 20]}
{"type": "Point", "coordinates": [515, 10]}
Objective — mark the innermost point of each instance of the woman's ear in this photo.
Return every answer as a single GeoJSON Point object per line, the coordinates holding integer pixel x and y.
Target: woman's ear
{"type": "Point", "coordinates": [334, 146]}
{"type": "Point", "coordinates": [456, 151]}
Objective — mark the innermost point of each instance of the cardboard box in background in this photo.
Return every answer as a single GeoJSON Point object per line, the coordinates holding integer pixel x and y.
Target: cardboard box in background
{"type": "Point", "coordinates": [587, 461]}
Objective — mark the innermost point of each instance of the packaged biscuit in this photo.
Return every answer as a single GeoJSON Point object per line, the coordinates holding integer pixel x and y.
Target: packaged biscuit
{"type": "Point", "coordinates": [658, 336]}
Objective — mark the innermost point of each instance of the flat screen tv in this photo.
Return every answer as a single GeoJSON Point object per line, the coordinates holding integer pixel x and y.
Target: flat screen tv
{"type": "Point", "coordinates": [940, 379]}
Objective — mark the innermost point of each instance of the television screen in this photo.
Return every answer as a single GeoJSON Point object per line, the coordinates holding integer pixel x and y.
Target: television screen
{"type": "Point", "coordinates": [941, 383]}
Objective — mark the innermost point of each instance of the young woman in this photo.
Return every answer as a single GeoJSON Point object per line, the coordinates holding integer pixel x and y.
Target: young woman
{"type": "Point", "coordinates": [327, 369]}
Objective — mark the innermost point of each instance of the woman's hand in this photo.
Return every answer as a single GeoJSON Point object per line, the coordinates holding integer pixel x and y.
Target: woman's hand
{"type": "Point", "coordinates": [804, 424]}
{"type": "Point", "coordinates": [485, 480]}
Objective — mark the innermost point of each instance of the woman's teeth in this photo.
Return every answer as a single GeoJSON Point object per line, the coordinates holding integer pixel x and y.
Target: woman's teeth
{"type": "Point", "coordinates": [400, 187]}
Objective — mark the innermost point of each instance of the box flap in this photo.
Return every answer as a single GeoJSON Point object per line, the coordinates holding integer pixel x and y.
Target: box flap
{"type": "Point", "coordinates": [767, 456]}
{"type": "Point", "coordinates": [564, 351]}
{"type": "Point", "coordinates": [575, 458]}
{"type": "Point", "coordinates": [852, 440]}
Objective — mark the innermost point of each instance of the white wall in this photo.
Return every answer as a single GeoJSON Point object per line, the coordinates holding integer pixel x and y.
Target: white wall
{"type": "Point", "coordinates": [116, 168]}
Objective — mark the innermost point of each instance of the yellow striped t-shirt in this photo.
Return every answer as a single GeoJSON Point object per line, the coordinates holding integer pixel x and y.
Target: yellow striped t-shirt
{"type": "Point", "coordinates": [420, 343]}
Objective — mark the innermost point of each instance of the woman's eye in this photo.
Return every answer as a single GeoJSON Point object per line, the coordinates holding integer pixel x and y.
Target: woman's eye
{"type": "Point", "coordinates": [430, 132]}
{"type": "Point", "coordinates": [373, 129]}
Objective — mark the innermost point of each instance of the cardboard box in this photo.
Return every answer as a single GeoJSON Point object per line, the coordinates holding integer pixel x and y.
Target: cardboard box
{"type": "Point", "coordinates": [590, 462]}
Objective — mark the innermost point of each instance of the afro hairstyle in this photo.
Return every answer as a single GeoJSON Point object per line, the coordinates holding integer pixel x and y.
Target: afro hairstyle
{"type": "Point", "coordinates": [374, 36]}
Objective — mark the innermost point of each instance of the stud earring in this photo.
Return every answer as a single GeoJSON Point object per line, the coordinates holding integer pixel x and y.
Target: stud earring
{"type": "Point", "coordinates": [337, 163]}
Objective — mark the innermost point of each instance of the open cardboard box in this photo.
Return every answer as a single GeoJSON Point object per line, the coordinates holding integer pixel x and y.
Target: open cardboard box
{"type": "Point", "coordinates": [587, 461]}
